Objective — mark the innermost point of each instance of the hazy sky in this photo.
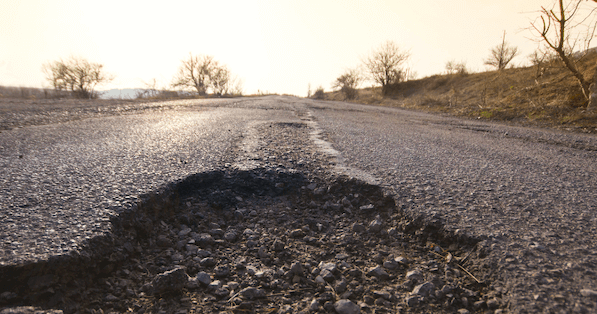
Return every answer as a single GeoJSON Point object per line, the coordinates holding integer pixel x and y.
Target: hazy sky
{"type": "Point", "coordinates": [277, 46]}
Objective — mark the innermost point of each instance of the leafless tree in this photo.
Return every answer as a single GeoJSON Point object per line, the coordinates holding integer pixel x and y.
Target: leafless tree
{"type": "Point", "coordinates": [348, 83]}
{"type": "Point", "coordinates": [501, 55]}
{"type": "Point", "coordinates": [555, 29]}
{"type": "Point", "coordinates": [453, 67]}
{"type": "Point", "coordinates": [235, 86]}
{"type": "Point", "coordinates": [219, 79]}
{"type": "Point", "coordinates": [194, 73]}
{"type": "Point", "coordinates": [385, 65]}
{"type": "Point", "coordinates": [203, 73]}
{"type": "Point", "coordinates": [76, 75]}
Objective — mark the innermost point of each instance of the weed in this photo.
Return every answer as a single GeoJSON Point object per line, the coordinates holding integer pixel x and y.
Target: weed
{"type": "Point", "coordinates": [486, 114]}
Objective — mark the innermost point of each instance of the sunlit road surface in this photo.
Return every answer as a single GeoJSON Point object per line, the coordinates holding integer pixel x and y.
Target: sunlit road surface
{"type": "Point", "coordinates": [527, 194]}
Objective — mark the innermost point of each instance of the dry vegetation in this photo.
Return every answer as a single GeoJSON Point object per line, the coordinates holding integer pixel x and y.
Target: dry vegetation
{"type": "Point", "coordinates": [546, 95]}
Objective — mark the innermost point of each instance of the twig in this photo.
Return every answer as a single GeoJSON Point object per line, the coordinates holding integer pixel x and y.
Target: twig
{"type": "Point", "coordinates": [466, 257]}
{"type": "Point", "coordinates": [468, 273]}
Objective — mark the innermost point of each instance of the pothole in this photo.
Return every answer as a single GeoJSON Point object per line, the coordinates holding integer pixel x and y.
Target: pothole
{"type": "Point", "coordinates": [261, 241]}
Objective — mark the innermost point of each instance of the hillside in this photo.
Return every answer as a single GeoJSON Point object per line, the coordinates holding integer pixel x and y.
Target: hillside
{"type": "Point", "coordinates": [545, 96]}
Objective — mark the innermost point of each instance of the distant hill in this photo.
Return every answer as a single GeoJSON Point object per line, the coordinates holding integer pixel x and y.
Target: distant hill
{"type": "Point", "coordinates": [127, 93]}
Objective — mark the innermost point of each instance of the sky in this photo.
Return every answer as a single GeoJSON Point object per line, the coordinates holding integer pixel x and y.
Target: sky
{"type": "Point", "coordinates": [276, 46]}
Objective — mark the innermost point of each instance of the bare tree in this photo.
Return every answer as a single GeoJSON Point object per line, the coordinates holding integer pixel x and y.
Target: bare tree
{"type": "Point", "coordinates": [348, 83]}
{"type": "Point", "coordinates": [219, 78]}
{"type": "Point", "coordinates": [384, 65]}
{"type": "Point", "coordinates": [453, 67]}
{"type": "Point", "coordinates": [203, 73]}
{"type": "Point", "coordinates": [194, 73]}
{"type": "Point", "coordinates": [76, 75]}
{"type": "Point", "coordinates": [555, 30]}
{"type": "Point", "coordinates": [235, 86]}
{"type": "Point", "coordinates": [501, 55]}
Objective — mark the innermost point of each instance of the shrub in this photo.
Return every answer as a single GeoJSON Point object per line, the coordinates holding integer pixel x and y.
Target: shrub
{"type": "Point", "coordinates": [348, 82]}
{"type": "Point", "coordinates": [319, 93]}
{"type": "Point", "coordinates": [453, 67]}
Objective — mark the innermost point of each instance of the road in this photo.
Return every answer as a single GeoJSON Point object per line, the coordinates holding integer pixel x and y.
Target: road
{"type": "Point", "coordinates": [526, 195]}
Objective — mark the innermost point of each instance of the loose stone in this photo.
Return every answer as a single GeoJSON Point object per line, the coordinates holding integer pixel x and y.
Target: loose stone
{"type": "Point", "coordinates": [204, 278]}
{"type": "Point", "coordinates": [412, 301]}
{"type": "Point", "coordinates": [170, 281]}
{"type": "Point", "coordinates": [424, 289]}
{"type": "Point", "coordinates": [414, 275]}
{"type": "Point", "coordinates": [346, 307]}
{"type": "Point", "coordinates": [378, 272]}
{"type": "Point", "coordinates": [230, 236]}
{"type": "Point", "coordinates": [252, 293]}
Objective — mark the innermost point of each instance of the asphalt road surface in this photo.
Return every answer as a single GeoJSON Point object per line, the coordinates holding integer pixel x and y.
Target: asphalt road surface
{"type": "Point", "coordinates": [527, 195]}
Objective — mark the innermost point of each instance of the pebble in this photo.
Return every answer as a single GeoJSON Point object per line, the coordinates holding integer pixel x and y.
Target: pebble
{"type": "Point", "coordinates": [203, 253]}
{"type": "Point", "coordinates": [479, 304]}
{"type": "Point", "coordinates": [492, 303]}
{"type": "Point", "coordinates": [412, 300]}
{"type": "Point", "coordinates": [170, 281]}
{"type": "Point", "coordinates": [346, 307]}
{"type": "Point", "coordinates": [390, 264]}
{"type": "Point", "coordinates": [401, 260]}
{"type": "Point", "coordinates": [111, 298]}
{"type": "Point", "coordinates": [341, 285]}
{"type": "Point", "coordinates": [332, 267]}
{"type": "Point", "coordinates": [204, 240]}
{"type": "Point", "coordinates": [319, 280]}
{"type": "Point", "coordinates": [262, 252]}
{"type": "Point", "coordinates": [424, 289]}
{"type": "Point", "coordinates": [184, 232]}
{"type": "Point", "coordinates": [163, 241]}
{"type": "Point", "coordinates": [314, 305]}
{"type": "Point", "coordinates": [382, 294]}
{"type": "Point", "coordinates": [278, 245]}
{"type": "Point", "coordinates": [222, 271]}
{"type": "Point", "coordinates": [297, 233]}
{"type": "Point", "coordinates": [378, 272]}
{"type": "Point", "coordinates": [192, 248]}
{"type": "Point", "coordinates": [587, 293]}
{"type": "Point", "coordinates": [376, 225]}
{"type": "Point", "coordinates": [252, 293]}
{"type": "Point", "coordinates": [204, 278]}
{"type": "Point", "coordinates": [216, 232]}
{"type": "Point", "coordinates": [414, 275]}
{"type": "Point", "coordinates": [367, 207]}
{"type": "Point", "coordinates": [214, 285]}
{"type": "Point", "coordinates": [358, 227]}
{"type": "Point", "coordinates": [296, 269]}
{"type": "Point", "coordinates": [208, 262]}
{"type": "Point", "coordinates": [221, 292]}
{"type": "Point", "coordinates": [230, 236]}
{"type": "Point", "coordinates": [327, 275]}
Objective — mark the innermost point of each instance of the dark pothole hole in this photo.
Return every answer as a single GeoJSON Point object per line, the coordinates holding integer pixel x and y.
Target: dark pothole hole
{"type": "Point", "coordinates": [261, 241]}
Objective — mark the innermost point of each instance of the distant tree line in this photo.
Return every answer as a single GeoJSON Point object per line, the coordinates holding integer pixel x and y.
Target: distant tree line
{"type": "Point", "coordinates": [197, 74]}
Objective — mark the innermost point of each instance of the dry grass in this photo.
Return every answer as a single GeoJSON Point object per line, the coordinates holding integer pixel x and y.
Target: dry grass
{"type": "Point", "coordinates": [547, 97]}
